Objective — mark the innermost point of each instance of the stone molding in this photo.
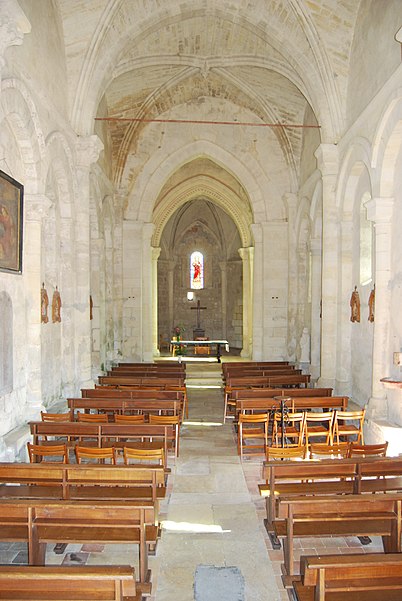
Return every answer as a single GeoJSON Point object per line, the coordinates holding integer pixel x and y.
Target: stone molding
{"type": "Point", "coordinates": [88, 149]}
{"type": "Point", "coordinates": [13, 26]}
{"type": "Point", "coordinates": [37, 206]}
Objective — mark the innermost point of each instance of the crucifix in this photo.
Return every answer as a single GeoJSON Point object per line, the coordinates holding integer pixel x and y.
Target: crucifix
{"type": "Point", "coordinates": [198, 308]}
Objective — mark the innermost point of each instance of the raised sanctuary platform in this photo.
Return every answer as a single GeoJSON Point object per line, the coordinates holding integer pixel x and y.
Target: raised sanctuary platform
{"type": "Point", "coordinates": [212, 343]}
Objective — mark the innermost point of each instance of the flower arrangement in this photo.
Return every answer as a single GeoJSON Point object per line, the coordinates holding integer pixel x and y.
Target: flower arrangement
{"type": "Point", "coordinates": [178, 330]}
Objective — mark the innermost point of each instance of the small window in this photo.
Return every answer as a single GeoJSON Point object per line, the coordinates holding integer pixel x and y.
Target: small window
{"type": "Point", "coordinates": [197, 271]}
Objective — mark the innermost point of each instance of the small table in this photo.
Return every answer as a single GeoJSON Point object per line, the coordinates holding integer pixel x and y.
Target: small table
{"type": "Point", "coordinates": [217, 343]}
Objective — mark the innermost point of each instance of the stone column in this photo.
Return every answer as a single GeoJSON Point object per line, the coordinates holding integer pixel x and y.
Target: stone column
{"type": "Point", "coordinates": [258, 293]}
{"type": "Point", "coordinates": [223, 267]}
{"type": "Point", "coordinates": [171, 267]}
{"type": "Point", "coordinates": [36, 209]}
{"type": "Point", "coordinates": [315, 359]}
{"type": "Point", "coordinates": [87, 152]}
{"type": "Point", "coordinates": [13, 26]}
{"type": "Point", "coordinates": [155, 255]}
{"type": "Point", "coordinates": [290, 201]}
{"type": "Point", "coordinates": [147, 293]}
{"type": "Point", "coordinates": [328, 163]}
{"type": "Point", "coordinates": [247, 255]}
{"type": "Point", "coordinates": [380, 211]}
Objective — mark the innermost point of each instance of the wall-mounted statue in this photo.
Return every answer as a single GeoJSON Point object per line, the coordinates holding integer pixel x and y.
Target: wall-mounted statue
{"type": "Point", "coordinates": [44, 303]}
{"type": "Point", "coordinates": [371, 304]}
{"type": "Point", "coordinates": [355, 306]}
{"type": "Point", "coordinates": [56, 306]}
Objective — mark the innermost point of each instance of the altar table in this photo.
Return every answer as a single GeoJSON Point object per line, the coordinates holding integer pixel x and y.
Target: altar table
{"type": "Point", "coordinates": [211, 343]}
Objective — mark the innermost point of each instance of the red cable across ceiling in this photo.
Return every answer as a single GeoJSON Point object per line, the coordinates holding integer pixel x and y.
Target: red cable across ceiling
{"type": "Point", "coordinates": [200, 122]}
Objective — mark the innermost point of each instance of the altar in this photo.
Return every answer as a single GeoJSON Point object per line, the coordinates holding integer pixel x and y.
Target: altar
{"type": "Point", "coordinates": [211, 343]}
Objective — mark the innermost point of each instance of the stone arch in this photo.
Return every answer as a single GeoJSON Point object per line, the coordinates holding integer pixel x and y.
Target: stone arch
{"type": "Point", "coordinates": [58, 269]}
{"type": "Point", "coordinates": [202, 187]}
{"type": "Point", "coordinates": [387, 145]}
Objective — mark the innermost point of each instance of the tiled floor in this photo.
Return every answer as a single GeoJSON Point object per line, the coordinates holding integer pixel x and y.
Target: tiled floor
{"type": "Point", "coordinates": [212, 514]}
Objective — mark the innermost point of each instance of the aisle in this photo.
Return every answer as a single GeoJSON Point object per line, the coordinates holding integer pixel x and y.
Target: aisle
{"type": "Point", "coordinates": [210, 517]}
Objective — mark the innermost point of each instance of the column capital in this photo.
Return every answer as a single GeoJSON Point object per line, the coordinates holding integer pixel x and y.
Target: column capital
{"type": "Point", "coordinates": [156, 251]}
{"type": "Point", "coordinates": [327, 156]}
{"type": "Point", "coordinates": [88, 149]}
{"type": "Point", "coordinates": [380, 209]}
{"type": "Point", "coordinates": [13, 26]}
{"type": "Point", "coordinates": [246, 252]}
{"type": "Point", "coordinates": [37, 206]}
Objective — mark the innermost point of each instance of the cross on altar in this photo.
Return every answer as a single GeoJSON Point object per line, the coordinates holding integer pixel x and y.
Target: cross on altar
{"type": "Point", "coordinates": [198, 308]}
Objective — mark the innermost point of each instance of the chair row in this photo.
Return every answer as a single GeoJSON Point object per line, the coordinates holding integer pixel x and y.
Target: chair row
{"type": "Point", "coordinates": [59, 453]}
{"type": "Point", "coordinates": [297, 428]}
{"type": "Point", "coordinates": [104, 418]}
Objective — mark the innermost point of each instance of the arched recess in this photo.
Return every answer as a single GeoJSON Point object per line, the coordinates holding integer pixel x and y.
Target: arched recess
{"type": "Point", "coordinates": [6, 344]}
{"type": "Point", "coordinates": [303, 284]}
{"type": "Point", "coordinates": [187, 186]}
{"type": "Point", "coordinates": [316, 279]}
{"type": "Point", "coordinates": [58, 269]}
{"type": "Point", "coordinates": [386, 212]}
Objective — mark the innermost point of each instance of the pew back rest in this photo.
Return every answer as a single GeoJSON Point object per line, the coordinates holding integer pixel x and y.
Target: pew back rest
{"type": "Point", "coordinates": [60, 582]}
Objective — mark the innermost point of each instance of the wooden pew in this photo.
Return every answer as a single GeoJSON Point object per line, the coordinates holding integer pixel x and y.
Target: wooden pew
{"type": "Point", "coordinates": [296, 380]}
{"type": "Point", "coordinates": [155, 364]}
{"type": "Point", "coordinates": [79, 522]}
{"type": "Point", "coordinates": [294, 404]}
{"type": "Point", "coordinates": [104, 434]}
{"type": "Point", "coordinates": [371, 576]}
{"type": "Point", "coordinates": [141, 381]}
{"type": "Point", "coordinates": [82, 482]}
{"type": "Point", "coordinates": [127, 393]}
{"type": "Point", "coordinates": [232, 394]}
{"type": "Point", "coordinates": [338, 515]}
{"type": "Point", "coordinates": [72, 583]}
{"type": "Point", "coordinates": [297, 478]}
{"type": "Point", "coordinates": [126, 406]}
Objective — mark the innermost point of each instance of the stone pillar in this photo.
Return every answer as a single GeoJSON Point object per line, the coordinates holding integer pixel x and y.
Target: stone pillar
{"type": "Point", "coordinates": [171, 267]}
{"type": "Point", "coordinates": [328, 163]}
{"type": "Point", "coordinates": [223, 267]}
{"type": "Point", "coordinates": [155, 255]}
{"type": "Point", "coordinates": [315, 359]}
{"type": "Point", "coordinates": [247, 255]}
{"type": "Point", "coordinates": [13, 26]}
{"type": "Point", "coordinates": [380, 211]}
{"type": "Point", "coordinates": [258, 292]}
{"type": "Point", "coordinates": [36, 209]}
{"type": "Point", "coordinates": [87, 152]}
{"type": "Point", "coordinates": [147, 293]}
{"type": "Point", "coordinates": [290, 201]}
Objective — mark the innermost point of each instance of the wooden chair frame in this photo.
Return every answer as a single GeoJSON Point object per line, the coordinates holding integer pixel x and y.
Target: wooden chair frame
{"type": "Point", "coordinates": [344, 426]}
{"type": "Point", "coordinates": [98, 418]}
{"type": "Point", "coordinates": [60, 450]}
{"type": "Point", "coordinates": [252, 426]}
{"type": "Point", "coordinates": [294, 427]}
{"type": "Point", "coordinates": [95, 453]}
{"type": "Point", "coordinates": [315, 428]}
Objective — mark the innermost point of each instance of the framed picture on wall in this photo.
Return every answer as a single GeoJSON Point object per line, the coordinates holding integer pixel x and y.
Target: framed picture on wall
{"type": "Point", "coordinates": [11, 214]}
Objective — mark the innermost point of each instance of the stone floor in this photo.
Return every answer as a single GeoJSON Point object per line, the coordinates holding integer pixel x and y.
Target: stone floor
{"type": "Point", "coordinates": [212, 514]}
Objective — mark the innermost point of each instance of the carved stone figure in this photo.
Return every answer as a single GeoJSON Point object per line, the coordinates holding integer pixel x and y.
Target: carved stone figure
{"type": "Point", "coordinates": [56, 306]}
{"type": "Point", "coordinates": [355, 306]}
{"type": "Point", "coordinates": [371, 304]}
{"type": "Point", "coordinates": [44, 303]}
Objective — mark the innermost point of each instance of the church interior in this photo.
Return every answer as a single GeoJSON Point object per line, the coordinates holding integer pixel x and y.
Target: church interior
{"type": "Point", "coordinates": [228, 170]}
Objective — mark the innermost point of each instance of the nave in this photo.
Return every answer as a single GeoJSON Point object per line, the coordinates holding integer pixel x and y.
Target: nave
{"type": "Point", "coordinates": [212, 514]}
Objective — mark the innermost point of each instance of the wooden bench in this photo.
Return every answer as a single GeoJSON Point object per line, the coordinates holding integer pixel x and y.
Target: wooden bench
{"type": "Point", "coordinates": [285, 381]}
{"type": "Point", "coordinates": [72, 583]}
{"type": "Point", "coordinates": [371, 577]}
{"type": "Point", "coordinates": [294, 403]}
{"type": "Point", "coordinates": [338, 515]}
{"type": "Point", "coordinates": [233, 394]}
{"type": "Point", "coordinates": [82, 482]}
{"type": "Point", "coordinates": [79, 522]}
{"type": "Point", "coordinates": [141, 381]}
{"type": "Point", "coordinates": [126, 406]}
{"type": "Point", "coordinates": [297, 478]}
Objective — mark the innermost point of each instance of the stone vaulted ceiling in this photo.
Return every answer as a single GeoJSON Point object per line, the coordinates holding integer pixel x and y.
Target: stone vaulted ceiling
{"type": "Point", "coordinates": [279, 60]}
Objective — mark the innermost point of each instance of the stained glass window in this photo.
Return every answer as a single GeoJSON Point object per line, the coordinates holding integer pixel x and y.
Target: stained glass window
{"type": "Point", "coordinates": [197, 270]}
